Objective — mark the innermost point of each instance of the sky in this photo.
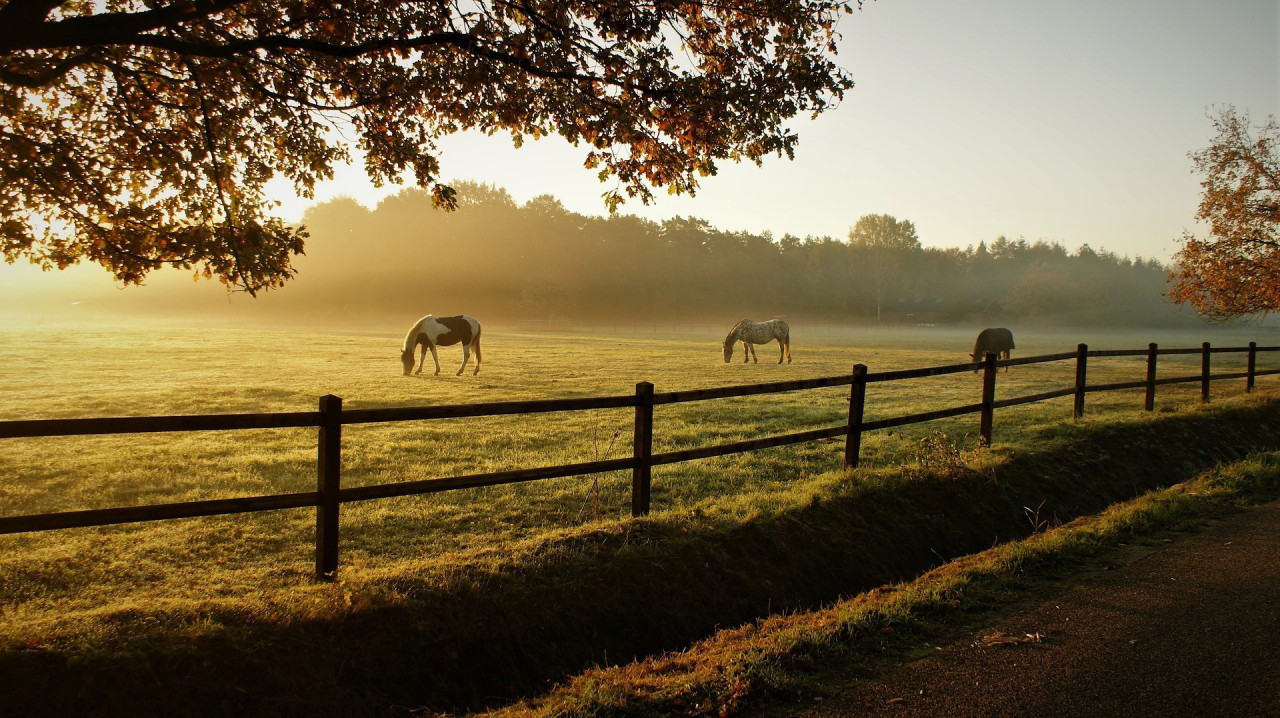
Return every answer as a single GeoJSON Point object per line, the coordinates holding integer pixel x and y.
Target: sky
{"type": "Point", "coordinates": [1062, 121]}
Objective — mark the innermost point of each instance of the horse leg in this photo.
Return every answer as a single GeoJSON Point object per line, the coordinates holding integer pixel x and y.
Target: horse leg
{"type": "Point", "coordinates": [436, 358]}
{"type": "Point", "coordinates": [477, 344]}
{"type": "Point", "coordinates": [422, 358]}
{"type": "Point", "coordinates": [466, 356]}
{"type": "Point", "coordinates": [754, 358]}
{"type": "Point", "coordinates": [782, 349]}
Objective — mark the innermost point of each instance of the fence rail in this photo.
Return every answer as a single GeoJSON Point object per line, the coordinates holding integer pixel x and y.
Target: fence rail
{"type": "Point", "coordinates": [331, 417]}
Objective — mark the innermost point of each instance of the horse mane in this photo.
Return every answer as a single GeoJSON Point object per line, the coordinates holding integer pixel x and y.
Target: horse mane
{"type": "Point", "coordinates": [412, 337]}
{"type": "Point", "coordinates": [734, 331]}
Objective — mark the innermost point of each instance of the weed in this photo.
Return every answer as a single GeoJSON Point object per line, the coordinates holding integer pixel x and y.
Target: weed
{"type": "Point", "coordinates": [1033, 517]}
{"type": "Point", "coordinates": [593, 494]}
{"type": "Point", "coordinates": [940, 455]}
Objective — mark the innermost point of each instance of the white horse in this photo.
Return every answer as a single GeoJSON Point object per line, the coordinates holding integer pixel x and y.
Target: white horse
{"type": "Point", "coordinates": [749, 333]}
{"type": "Point", "coordinates": [432, 331]}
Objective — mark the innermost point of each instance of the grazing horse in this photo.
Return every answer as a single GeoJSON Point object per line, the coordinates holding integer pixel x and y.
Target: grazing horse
{"type": "Point", "coordinates": [432, 331]}
{"type": "Point", "coordinates": [998, 341]}
{"type": "Point", "coordinates": [749, 333]}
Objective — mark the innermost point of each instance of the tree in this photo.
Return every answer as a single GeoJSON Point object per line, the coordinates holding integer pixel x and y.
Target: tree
{"type": "Point", "coordinates": [1235, 271]}
{"type": "Point", "coordinates": [884, 239]}
{"type": "Point", "coordinates": [138, 133]}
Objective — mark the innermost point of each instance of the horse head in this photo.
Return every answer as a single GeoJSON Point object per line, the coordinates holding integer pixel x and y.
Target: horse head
{"type": "Point", "coordinates": [727, 346]}
{"type": "Point", "coordinates": [406, 358]}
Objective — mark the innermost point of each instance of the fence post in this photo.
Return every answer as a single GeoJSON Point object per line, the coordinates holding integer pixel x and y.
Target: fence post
{"type": "Point", "coordinates": [857, 401]}
{"type": "Point", "coordinates": [642, 451]}
{"type": "Point", "coordinates": [1082, 361]}
{"type": "Point", "coordinates": [988, 398]}
{"type": "Point", "coordinates": [328, 480]}
{"type": "Point", "coordinates": [1204, 372]}
{"type": "Point", "coordinates": [1150, 402]}
{"type": "Point", "coordinates": [1253, 366]}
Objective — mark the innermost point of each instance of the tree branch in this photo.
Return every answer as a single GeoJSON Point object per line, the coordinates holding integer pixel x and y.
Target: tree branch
{"type": "Point", "coordinates": [17, 13]}
{"type": "Point", "coordinates": [30, 31]}
{"type": "Point", "coordinates": [132, 30]}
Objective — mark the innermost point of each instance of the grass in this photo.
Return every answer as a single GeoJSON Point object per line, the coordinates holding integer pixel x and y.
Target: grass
{"type": "Point", "coordinates": [178, 590]}
{"type": "Point", "coordinates": [778, 660]}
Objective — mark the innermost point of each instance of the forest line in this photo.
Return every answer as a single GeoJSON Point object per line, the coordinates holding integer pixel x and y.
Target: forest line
{"type": "Point", "coordinates": [540, 261]}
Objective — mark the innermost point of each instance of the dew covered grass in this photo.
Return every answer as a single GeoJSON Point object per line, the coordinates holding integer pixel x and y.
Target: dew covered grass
{"type": "Point", "coordinates": [87, 587]}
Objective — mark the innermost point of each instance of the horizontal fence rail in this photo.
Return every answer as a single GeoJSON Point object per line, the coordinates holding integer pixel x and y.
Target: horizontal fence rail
{"type": "Point", "coordinates": [151, 424]}
{"type": "Point", "coordinates": [724, 392]}
{"type": "Point", "coordinates": [921, 418]}
{"type": "Point", "coordinates": [475, 481]}
{"type": "Point", "coordinates": [459, 411]}
{"type": "Point", "coordinates": [157, 512]}
{"type": "Point", "coordinates": [331, 417]}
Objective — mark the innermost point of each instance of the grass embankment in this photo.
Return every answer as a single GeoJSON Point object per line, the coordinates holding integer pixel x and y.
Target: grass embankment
{"type": "Point", "coordinates": [472, 629]}
{"type": "Point", "coordinates": [784, 658]}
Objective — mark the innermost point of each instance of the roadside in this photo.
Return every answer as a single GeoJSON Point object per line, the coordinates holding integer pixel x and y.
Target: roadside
{"type": "Point", "coordinates": [831, 662]}
{"type": "Point", "coordinates": [1189, 629]}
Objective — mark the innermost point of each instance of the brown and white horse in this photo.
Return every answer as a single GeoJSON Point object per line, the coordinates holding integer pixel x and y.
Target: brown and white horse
{"type": "Point", "coordinates": [432, 331]}
{"type": "Point", "coordinates": [749, 333]}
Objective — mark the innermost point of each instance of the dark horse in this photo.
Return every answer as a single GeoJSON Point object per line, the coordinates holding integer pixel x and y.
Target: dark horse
{"type": "Point", "coordinates": [997, 340]}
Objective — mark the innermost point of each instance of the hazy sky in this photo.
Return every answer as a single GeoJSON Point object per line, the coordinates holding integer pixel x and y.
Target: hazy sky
{"type": "Point", "coordinates": [1064, 121]}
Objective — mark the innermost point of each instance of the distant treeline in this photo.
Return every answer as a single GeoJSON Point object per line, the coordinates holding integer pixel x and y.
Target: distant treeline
{"type": "Point", "coordinates": [495, 258]}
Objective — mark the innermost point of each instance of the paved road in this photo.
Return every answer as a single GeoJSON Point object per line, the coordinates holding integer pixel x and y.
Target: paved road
{"type": "Point", "coordinates": [1190, 630]}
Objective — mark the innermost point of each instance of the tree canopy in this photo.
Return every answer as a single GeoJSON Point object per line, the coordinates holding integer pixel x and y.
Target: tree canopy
{"type": "Point", "coordinates": [140, 133]}
{"type": "Point", "coordinates": [539, 260]}
{"type": "Point", "coordinates": [1235, 271]}
{"type": "Point", "coordinates": [884, 231]}
{"type": "Point", "coordinates": [885, 238]}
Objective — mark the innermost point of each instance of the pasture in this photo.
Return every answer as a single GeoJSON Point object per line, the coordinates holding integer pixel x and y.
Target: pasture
{"type": "Point", "coordinates": [86, 586]}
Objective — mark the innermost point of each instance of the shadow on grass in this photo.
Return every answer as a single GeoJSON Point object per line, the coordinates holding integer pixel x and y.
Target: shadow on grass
{"type": "Point", "coordinates": [622, 591]}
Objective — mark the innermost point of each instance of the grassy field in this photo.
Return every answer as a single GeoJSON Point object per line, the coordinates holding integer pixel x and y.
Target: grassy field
{"type": "Point", "coordinates": [90, 587]}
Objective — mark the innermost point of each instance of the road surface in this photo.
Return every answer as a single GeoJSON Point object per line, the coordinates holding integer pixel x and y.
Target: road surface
{"type": "Point", "coordinates": [1190, 630]}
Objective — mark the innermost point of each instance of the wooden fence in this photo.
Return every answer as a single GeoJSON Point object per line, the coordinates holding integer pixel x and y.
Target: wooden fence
{"type": "Point", "coordinates": [330, 418]}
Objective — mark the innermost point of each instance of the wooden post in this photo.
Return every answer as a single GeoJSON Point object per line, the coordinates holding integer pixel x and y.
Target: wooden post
{"type": "Point", "coordinates": [988, 398]}
{"type": "Point", "coordinates": [328, 479]}
{"type": "Point", "coordinates": [1253, 366]}
{"type": "Point", "coordinates": [1082, 361]}
{"type": "Point", "coordinates": [857, 401]}
{"type": "Point", "coordinates": [1204, 372]}
{"type": "Point", "coordinates": [1150, 402]}
{"type": "Point", "coordinates": [642, 451]}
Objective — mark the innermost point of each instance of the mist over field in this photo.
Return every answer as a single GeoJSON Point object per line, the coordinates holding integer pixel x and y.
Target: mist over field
{"type": "Point", "coordinates": [539, 263]}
